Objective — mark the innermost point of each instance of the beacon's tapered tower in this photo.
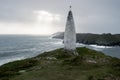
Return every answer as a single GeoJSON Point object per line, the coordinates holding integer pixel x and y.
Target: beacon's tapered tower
{"type": "Point", "coordinates": [70, 34]}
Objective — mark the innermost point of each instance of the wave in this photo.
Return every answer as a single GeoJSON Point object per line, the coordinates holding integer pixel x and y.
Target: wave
{"type": "Point", "coordinates": [96, 46]}
{"type": "Point", "coordinates": [4, 61]}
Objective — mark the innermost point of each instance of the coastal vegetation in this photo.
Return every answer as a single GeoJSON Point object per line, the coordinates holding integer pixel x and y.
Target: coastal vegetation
{"type": "Point", "coordinates": [58, 65]}
{"type": "Point", "coordinates": [98, 39]}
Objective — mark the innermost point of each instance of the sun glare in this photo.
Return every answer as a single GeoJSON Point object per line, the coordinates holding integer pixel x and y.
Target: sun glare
{"type": "Point", "coordinates": [44, 23]}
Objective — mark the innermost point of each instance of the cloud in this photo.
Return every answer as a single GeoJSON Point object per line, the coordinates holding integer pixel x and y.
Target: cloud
{"type": "Point", "coordinates": [22, 10]}
{"type": "Point", "coordinates": [99, 16]}
{"type": "Point", "coordinates": [44, 23]}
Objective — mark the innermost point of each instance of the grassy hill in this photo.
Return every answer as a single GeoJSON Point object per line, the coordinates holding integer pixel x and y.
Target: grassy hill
{"type": "Point", "coordinates": [58, 65]}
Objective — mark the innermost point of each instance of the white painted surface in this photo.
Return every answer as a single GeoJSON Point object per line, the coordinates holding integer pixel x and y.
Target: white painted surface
{"type": "Point", "coordinates": [70, 33]}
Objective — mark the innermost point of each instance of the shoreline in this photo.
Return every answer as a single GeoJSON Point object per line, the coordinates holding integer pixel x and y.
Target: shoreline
{"type": "Point", "coordinates": [93, 47]}
{"type": "Point", "coordinates": [105, 39]}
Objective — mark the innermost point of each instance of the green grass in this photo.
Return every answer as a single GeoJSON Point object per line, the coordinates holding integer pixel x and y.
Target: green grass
{"type": "Point", "coordinates": [89, 65]}
{"type": "Point", "coordinates": [11, 69]}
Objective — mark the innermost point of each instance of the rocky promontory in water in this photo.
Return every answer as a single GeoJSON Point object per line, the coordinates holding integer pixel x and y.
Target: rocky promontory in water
{"type": "Point", "coordinates": [105, 39]}
{"type": "Point", "coordinates": [58, 65]}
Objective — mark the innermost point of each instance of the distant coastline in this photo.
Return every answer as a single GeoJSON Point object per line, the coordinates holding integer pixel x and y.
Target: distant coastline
{"type": "Point", "coordinates": [106, 39]}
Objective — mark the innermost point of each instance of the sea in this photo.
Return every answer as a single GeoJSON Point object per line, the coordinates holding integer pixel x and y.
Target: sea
{"type": "Point", "coordinates": [17, 47]}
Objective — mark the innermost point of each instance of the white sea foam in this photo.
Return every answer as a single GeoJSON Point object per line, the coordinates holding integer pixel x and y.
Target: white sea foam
{"type": "Point", "coordinates": [80, 45]}
{"type": "Point", "coordinates": [4, 61]}
{"type": "Point", "coordinates": [96, 46]}
{"type": "Point", "coordinates": [59, 43]}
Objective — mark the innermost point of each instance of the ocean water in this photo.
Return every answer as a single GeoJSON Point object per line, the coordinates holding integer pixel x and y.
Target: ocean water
{"type": "Point", "coordinates": [17, 47]}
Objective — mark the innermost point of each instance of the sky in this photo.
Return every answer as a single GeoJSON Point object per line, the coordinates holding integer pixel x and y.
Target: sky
{"type": "Point", "coordinates": [45, 17]}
